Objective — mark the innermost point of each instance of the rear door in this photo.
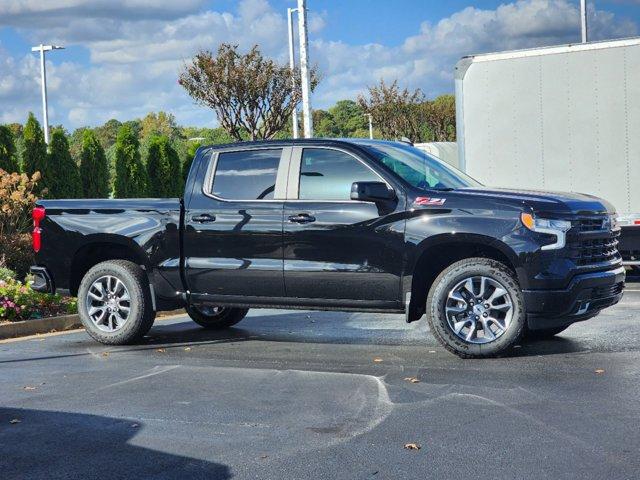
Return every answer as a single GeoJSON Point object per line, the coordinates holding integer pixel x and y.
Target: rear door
{"type": "Point", "coordinates": [233, 228]}
{"type": "Point", "coordinates": [335, 248]}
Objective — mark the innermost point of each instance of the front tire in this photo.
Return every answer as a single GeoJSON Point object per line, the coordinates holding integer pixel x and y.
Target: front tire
{"type": "Point", "coordinates": [475, 308]}
{"type": "Point", "coordinates": [216, 318]}
{"type": "Point", "coordinates": [114, 302]}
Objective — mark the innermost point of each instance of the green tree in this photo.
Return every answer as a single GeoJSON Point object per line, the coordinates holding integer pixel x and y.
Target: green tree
{"type": "Point", "coordinates": [65, 178]}
{"type": "Point", "coordinates": [161, 123]}
{"type": "Point", "coordinates": [94, 169]}
{"type": "Point", "coordinates": [130, 174]}
{"type": "Point", "coordinates": [107, 133]}
{"type": "Point", "coordinates": [8, 161]}
{"type": "Point", "coordinates": [188, 160]}
{"type": "Point", "coordinates": [440, 118]}
{"type": "Point", "coordinates": [75, 143]}
{"type": "Point", "coordinates": [34, 154]}
{"type": "Point", "coordinates": [348, 117]}
{"type": "Point", "coordinates": [324, 124]}
{"type": "Point", "coordinates": [163, 168]}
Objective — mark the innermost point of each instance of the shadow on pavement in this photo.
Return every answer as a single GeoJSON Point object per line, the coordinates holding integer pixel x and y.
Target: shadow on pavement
{"type": "Point", "coordinates": [51, 445]}
{"type": "Point", "coordinates": [296, 328]}
{"type": "Point", "coordinates": [292, 329]}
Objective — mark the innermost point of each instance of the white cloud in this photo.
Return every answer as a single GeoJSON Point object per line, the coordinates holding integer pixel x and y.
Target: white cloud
{"type": "Point", "coordinates": [427, 59]}
{"type": "Point", "coordinates": [137, 48]}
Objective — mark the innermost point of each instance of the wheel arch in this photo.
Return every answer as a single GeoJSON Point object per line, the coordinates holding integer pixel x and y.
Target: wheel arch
{"type": "Point", "coordinates": [435, 254]}
{"type": "Point", "coordinates": [101, 250]}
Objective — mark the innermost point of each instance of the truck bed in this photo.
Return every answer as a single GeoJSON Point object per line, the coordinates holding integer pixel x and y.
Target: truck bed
{"type": "Point", "coordinates": [77, 231]}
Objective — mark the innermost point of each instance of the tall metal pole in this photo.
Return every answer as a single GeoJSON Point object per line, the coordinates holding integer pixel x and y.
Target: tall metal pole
{"type": "Point", "coordinates": [45, 110]}
{"type": "Point", "coordinates": [583, 20]}
{"type": "Point", "coordinates": [292, 66]}
{"type": "Point", "coordinates": [43, 74]}
{"type": "Point", "coordinates": [370, 125]}
{"type": "Point", "coordinates": [304, 69]}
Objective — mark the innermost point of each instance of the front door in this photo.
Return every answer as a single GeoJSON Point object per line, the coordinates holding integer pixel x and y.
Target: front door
{"type": "Point", "coordinates": [336, 248]}
{"type": "Point", "coordinates": [233, 228]}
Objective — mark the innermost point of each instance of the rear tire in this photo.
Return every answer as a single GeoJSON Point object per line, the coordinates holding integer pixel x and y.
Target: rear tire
{"type": "Point", "coordinates": [475, 308]}
{"type": "Point", "coordinates": [544, 333]}
{"type": "Point", "coordinates": [114, 302]}
{"type": "Point", "coordinates": [216, 318]}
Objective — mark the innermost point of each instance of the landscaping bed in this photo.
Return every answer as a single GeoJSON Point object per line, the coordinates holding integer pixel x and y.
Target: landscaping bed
{"type": "Point", "coordinates": [18, 302]}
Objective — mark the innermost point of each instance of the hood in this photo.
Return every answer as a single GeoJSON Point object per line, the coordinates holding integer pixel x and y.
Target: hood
{"type": "Point", "coordinates": [543, 201]}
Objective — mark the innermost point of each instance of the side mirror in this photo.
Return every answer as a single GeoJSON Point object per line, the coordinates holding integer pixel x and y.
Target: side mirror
{"type": "Point", "coordinates": [371, 192]}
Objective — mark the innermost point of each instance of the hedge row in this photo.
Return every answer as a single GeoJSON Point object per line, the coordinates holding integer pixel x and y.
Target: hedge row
{"type": "Point", "coordinates": [92, 177]}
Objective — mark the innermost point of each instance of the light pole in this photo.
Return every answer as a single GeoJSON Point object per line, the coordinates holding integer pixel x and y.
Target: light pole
{"type": "Point", "coordinates": [370, 125]}
{"type": "Point", "coordinates": [292, 66]}
{"type": "Point", "coordinates": [304, 69]}
{"type": "Point", "coordinates": [583, 20]}
{"type": "Point", "coordinates": [45, 48]}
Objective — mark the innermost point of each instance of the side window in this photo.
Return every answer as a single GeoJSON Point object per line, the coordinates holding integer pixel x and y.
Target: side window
{"type": "Point", "coordinates": [246, 175]}
{"type": "Point", "coordinates": [328, 174]}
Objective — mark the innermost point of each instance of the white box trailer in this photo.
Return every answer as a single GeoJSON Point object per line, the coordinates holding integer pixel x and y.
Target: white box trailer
{"type": "Point", "coordinates": [561, 118]}
{"type": "Point", "coordinates": [445, 151]}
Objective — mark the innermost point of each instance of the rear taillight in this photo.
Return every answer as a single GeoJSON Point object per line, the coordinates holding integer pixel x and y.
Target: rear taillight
{"type": "Point", "coordinates": [38, 215]}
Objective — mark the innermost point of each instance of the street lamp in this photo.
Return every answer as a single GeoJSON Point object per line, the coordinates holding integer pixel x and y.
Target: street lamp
{"type": "Point", "coordinates": [45, 48]}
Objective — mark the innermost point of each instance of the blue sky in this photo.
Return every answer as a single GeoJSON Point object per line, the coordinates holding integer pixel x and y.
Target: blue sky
{"type": "Point", "coordinates": [123, 56]}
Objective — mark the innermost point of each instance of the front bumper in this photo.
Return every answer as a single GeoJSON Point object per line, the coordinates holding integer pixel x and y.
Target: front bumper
{"type": "Point", "coordinates": [42, 280]}
{"type": "Point", "coordinates": [585, 296]}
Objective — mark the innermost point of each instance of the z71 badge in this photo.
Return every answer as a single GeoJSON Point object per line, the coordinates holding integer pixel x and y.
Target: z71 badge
{"type": "Point", "coordinates": [429, 201]}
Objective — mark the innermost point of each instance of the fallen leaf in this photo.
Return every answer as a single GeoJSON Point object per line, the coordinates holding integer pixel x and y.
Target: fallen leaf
{"type": "Point", "coordinates": [377, 359]}
{"type": "Point", "coordinates": [187, 349]}
{"type": "Point", "coordinates": [14, 421]}
{"type": "Point", "coordinates": [412, 379]}
{"type": "Point", "coordinates": [29, 387]}
{"type": "Point", "coordinates": [412, 446]}
{"type": "Point", "coordinates": [160, 350]}
{"type": "Point", "coordinates": [599, 371]}
{"type": "Point", "coordinates": [105, 354]}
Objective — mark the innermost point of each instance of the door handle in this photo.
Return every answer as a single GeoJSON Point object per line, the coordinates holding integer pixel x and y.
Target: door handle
{"type": "Point", "coordinates": [302, 218]}
{"type": "Point", "coordinates": [204, 218]}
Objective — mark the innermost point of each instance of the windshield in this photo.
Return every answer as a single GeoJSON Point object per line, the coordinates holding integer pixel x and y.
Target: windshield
{"type": "Point", "coordinates": [418, 168]}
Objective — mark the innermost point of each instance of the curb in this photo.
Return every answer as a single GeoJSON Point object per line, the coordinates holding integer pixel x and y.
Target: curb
{"type": "Point", "coordinates": [26, 328]}
{"type": "Point", "coordinates": [41, 325]}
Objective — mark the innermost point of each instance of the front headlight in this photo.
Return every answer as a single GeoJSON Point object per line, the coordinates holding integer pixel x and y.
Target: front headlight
{"type": "Point", "coordinates": [549, 226]}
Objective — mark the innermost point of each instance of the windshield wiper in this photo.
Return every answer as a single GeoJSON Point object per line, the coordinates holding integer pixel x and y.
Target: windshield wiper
{"type": "Point", "coordinates": [443, 189]}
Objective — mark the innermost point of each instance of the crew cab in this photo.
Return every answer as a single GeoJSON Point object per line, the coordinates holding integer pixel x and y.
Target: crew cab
{"type": "Point", "coordinates": [352, 225]}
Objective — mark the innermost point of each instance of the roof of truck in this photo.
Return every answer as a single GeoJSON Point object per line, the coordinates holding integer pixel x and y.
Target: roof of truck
{"type": "Point", "coordinates": [302, 141]}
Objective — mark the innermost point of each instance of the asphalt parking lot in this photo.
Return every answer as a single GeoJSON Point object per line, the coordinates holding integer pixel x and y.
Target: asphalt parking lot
{"type": "Point", "coordinates": [323, 395]}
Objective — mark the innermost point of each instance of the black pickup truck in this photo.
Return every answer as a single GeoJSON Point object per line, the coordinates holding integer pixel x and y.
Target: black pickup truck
{"type": "Point", "coordinates": [357, 225]}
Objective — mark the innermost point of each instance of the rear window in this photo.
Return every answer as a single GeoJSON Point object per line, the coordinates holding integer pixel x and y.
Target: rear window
{"type": "Point", "coordinates": [246, 175]}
